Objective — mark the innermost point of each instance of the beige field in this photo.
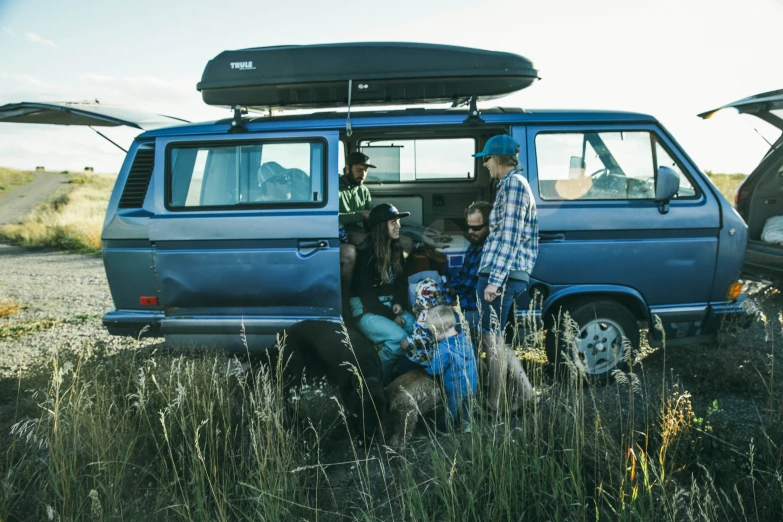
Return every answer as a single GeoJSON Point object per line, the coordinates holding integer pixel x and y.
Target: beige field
{"type": "Point", "coordinates": [71, 219]}
{"type": "Point", "coordinates": [10, 178]}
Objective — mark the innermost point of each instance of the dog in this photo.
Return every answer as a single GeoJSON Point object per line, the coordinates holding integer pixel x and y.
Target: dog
{"type": "Point", "coordinates": [410, 395]}
{"type": "Point", "coordinates": [318, 349]}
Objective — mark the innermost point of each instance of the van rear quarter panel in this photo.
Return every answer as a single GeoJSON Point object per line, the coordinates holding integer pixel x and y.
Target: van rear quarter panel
{"type": "Point", "coordinates": [125, 245]}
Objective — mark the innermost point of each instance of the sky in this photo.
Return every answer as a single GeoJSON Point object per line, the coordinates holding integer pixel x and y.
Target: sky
{"type": "Point", "coordinates": [669, 58]}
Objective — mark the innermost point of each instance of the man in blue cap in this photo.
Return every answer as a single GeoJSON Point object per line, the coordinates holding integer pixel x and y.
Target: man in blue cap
{"type": "Point", "coordinates": [507, 261]}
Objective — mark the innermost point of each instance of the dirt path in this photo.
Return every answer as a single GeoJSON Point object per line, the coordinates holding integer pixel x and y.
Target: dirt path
{"type": "Point", "coordinates": [21, 200]}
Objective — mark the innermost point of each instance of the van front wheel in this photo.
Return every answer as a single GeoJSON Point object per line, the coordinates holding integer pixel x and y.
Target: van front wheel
{"type": "Point", "coordinates": [594, 341]}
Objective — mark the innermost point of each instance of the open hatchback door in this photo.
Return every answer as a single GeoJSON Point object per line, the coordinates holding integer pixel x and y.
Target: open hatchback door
{"type": "Point", "coordinates": [760, 197]}
{"type": "Point", "coordinates": [84, 113]}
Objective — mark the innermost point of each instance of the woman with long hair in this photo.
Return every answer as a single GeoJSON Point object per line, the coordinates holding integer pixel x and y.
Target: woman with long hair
{"type": "Point", "coordinates": [380, 290]}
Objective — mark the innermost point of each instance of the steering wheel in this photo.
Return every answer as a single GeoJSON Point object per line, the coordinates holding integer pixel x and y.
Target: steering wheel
{"type": "Point", "coordinates": [600, 174]}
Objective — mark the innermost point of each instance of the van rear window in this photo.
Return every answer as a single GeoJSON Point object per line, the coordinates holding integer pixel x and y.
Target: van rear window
{"type": "Point", "coordinates": [246, 174]}
{"type": "Point", "coordinates": [412, 160]}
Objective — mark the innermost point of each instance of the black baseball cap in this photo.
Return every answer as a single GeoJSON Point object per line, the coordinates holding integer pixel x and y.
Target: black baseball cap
{"type": "Point", "coordinates": [357, 158]}
{"type": "Point", "coordinates": [385, 212]}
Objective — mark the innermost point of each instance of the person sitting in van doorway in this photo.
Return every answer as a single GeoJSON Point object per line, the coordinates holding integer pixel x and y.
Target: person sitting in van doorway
{"type": "Point", "coordinates": [507, 260]}
{"type": "Point", "coordinates": [380, 289]}
{"type": "Point", "coordinates": [464, 282]}
{"type": "Point", "coordinates": [355, 206]}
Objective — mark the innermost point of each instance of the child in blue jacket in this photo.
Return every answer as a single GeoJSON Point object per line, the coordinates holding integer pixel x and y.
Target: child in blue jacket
{"type": "Point", "coordinates": [455, 360]}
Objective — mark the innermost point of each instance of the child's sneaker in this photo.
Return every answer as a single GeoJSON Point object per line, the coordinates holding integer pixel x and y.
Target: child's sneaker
{"type": "Point", "coordinates": [466, 427]}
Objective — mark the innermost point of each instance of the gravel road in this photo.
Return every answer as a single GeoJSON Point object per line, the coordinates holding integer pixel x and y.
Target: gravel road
{"type": "Point", "coordinates": [21, 200]}
{"type": "Point", "coordinates": [58, 286]}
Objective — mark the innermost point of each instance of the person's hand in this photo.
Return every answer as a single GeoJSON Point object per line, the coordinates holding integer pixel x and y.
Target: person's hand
{"type": "Point", "coordinates": [397, 308]}
{"type": "Point", "coordinates": [400, 320]}
{"type": "Point", "coordinates": [404, 344]}
{"type": "Point", "coordinates": [491, 292]}
{"type": "Point", "coordinates": [365, 215]}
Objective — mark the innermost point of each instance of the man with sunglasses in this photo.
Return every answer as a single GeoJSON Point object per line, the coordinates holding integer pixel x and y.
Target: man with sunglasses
{"type": "Point", "coordinates": [507, 261]}
{"type": "Point", "coordinates": [463, 284]}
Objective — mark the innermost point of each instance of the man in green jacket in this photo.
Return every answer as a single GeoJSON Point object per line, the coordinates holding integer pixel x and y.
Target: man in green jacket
{"type": "Point", "coordinates": [355, 206]}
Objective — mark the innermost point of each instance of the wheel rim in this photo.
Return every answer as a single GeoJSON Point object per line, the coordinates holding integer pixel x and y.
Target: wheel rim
{"type": "Point", "coordinates": [599, 346]}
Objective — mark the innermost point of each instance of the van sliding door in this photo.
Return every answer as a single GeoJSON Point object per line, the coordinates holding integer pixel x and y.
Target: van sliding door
{"type": "Point", "coordinates": [246, 235]}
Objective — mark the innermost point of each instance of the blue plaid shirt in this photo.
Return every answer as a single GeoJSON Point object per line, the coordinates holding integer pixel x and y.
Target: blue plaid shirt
{"type": "Point", "coordinates": [512, 244]}
{"type": "Point", "coordinates": [465, 281]}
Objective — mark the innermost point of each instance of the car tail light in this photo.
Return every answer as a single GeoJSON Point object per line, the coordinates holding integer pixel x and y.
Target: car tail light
{"type": "Point", "coordinates": [148, 300]}
{"type": "Point", "coordinates": [734, 291]}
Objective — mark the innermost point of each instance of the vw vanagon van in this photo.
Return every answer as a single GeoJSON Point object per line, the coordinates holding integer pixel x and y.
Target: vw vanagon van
{"type": "Point", "coordinates": [198, 247]}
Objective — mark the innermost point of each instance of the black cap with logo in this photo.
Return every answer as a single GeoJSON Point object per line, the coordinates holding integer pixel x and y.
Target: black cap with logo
{"type": "Point", "coordinates": [385, 212]}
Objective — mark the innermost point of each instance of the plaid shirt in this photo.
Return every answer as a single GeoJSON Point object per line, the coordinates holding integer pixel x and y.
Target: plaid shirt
{"type": "Point", "coordinates": [465, 281]}
{"type": "Point", "coordinates": [513, 230]}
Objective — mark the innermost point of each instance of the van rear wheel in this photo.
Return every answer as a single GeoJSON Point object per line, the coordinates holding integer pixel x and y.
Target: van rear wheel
{"type": "Point", "coordinates": [594, 341]}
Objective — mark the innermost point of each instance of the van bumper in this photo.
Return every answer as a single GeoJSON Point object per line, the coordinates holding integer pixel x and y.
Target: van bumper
{"type": "Point", "coordinates": [132, 323]}
{"type": "Point", "coordinates": [734, 315]}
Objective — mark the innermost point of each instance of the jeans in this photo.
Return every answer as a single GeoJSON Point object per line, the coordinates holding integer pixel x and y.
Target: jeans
{"type": "Point", "coordinates": [386, 333]}
{"type": "Point", "coordinates": [501, 305]}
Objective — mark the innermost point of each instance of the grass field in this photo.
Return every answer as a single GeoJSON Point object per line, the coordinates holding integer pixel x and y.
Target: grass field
{"type": "Point", "coordinates": [10, 178]}
{"type": "Point", "coordinates": [154, 434]}
{"type": "Point", "coordinates": [71, 219]}
{"type": "Point", "coordinates": [158, 434]}
{"type": "Point", "coordinates": [727, 183]}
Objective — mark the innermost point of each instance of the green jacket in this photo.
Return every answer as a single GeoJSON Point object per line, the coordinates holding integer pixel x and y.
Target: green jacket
{"type": "Point", "coordinates": [354, 199]}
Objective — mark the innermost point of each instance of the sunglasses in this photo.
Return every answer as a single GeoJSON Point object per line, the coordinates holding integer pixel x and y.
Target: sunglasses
{"type": "Point", "coordinates": [279, 180]}
{"type": "Point", "coordinates": [487, 158]}
{"type": "Point", "coordinates": [476, 228]}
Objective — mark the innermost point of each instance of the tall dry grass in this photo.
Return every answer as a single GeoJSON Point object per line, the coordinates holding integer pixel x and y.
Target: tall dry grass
{"type": "Point", "coordinates": [10, 178]}
{"type": "Point", "coordinates": [157, 435]}
{"type": "Point", "coordinates": [71, 220]}
{"type": "Point", "coordinates": [727, 184]}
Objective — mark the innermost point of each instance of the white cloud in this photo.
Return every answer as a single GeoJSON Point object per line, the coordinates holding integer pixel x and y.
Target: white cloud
{"type": "Point", "coordinates": [39, 40]}
{"type": "Point", "coordinates": [26, 80]}
{"type": "Point", "coordinates": [8, 30]}
{"type": "Point", "coordinates": [99, 78]}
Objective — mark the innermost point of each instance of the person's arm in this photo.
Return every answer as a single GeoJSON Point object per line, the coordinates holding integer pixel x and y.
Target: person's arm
{"type": "Point", "coordinates": [517, 200]}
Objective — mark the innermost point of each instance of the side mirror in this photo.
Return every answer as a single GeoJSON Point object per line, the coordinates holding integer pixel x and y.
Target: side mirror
{"type": "Point", "coordinates": [666, 186]}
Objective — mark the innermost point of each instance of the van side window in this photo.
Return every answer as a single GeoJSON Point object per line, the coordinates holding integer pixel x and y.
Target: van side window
{"type": "Point", "coordinates": [616, 165]}
{"type": "Point", "coordinates": [247, 174]}
{"type": "Point", "coordinates": [411, 160]}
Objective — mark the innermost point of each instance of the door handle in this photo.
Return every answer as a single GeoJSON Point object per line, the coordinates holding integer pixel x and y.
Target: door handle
{"type": "Point", "coordinates": [313, 244]}
{"type": "Point", "coordinates": [551, 236]}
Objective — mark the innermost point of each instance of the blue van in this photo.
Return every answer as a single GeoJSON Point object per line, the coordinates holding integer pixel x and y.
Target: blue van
{"type": "Point", "coordinates": [197, 248]}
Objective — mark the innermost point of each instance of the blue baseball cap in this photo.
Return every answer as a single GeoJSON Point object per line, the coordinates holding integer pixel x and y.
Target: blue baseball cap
{"type": "Point", "coordinates": [500, 144]}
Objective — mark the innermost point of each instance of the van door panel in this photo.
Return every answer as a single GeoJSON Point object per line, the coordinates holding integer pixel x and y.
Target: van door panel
{"type": "Point", "coordinates": [269, 264]}
{"type": "Point", "coordinates": [669, 258]}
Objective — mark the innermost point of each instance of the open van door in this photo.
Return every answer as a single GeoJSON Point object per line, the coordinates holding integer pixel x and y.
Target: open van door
{"type": "Point", "coordinates": [758, 197]}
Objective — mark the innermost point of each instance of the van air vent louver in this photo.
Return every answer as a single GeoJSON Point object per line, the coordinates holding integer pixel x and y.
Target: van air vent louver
{"type": "Point", "coordinates": [138, 179]}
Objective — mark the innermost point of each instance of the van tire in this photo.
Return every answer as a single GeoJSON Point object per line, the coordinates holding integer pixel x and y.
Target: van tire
{"type": "Point", "coordinates": [602, 325]}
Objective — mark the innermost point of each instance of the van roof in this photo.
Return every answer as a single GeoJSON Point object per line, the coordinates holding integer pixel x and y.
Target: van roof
{"type": "Point", "coordinates": [336, 120]}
